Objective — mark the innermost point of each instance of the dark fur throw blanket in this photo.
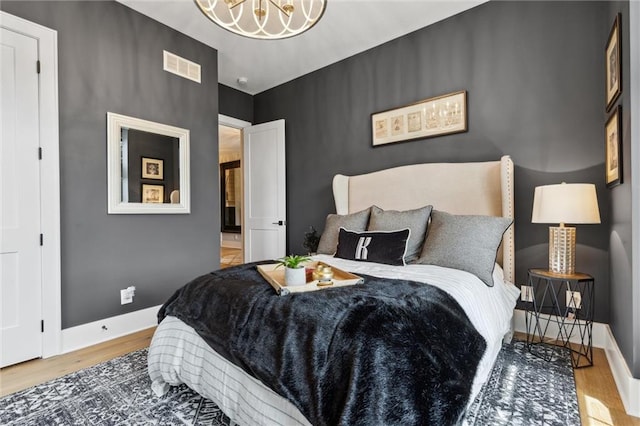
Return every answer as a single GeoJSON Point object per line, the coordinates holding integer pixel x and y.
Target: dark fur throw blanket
{"type": "Point", "coordinates": [386, 352]}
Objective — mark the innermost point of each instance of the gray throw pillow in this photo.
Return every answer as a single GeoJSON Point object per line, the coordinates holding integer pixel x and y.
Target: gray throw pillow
{"type": "Point", "coordinates": [353, 222]}
{"type": "Point", "coordinates": [392, 220]}
{"type": "Point", "coordinates": [468, 243]}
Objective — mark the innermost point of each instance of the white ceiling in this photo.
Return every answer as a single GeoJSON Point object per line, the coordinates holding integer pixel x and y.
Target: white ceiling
{"type": "Point", "coordinates": [347, 27]}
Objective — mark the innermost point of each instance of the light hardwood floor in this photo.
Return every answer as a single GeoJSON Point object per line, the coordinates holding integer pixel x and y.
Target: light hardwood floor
{"type": "Point", "coordinates": [230, 257]}
{"type": "Point", "coordinates": [30, 373]}
{"type": "Point", "coordinates": [598, 397]}
{"type": "Point", "coordinates": [599, 400]}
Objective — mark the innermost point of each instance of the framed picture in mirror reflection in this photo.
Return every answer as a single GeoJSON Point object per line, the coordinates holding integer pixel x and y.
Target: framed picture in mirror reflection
{"type": "Point", "coordinates": [152, 168]}
{"type": "Point", "coordinates": [152, 193]}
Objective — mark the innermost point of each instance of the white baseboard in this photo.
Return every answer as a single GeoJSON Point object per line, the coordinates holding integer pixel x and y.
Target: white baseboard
{"type": "Point", "coordinates": [599, 337]}
{"type": "Point", "coordinates": [89, 334]}
{"type": "Point", "coordinates": [628, 386]}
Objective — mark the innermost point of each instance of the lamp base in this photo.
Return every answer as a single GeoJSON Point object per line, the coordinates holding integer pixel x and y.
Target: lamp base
{"type": "Point", "coordinates": [562, 249]}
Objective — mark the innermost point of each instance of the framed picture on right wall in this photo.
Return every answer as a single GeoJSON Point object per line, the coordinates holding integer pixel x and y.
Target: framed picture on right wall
{"type": "Point", "coordinates": [613, 60]}
{"type": "Point", "coordinates": [613, 148]}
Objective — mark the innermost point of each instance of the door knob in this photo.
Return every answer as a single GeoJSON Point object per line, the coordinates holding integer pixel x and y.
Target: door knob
{"type": "Point", "coordinates": [279, 223]}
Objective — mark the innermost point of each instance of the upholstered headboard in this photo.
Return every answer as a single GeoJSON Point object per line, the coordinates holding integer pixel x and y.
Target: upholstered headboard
{"type": "Point", "coordinates": [483, 188]}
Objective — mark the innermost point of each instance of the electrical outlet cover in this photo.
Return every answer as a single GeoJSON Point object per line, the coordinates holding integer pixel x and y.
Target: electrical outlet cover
{"type": "Point", "coordinates": [574, 299]}
{"type": "Point", "coordinates": [125, 297]}
{"type": "Point", "coordinates": [526, 293]}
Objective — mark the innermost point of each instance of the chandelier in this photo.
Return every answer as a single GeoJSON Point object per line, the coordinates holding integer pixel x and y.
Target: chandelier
{"type": "Point", "coordinates": [264, 19]}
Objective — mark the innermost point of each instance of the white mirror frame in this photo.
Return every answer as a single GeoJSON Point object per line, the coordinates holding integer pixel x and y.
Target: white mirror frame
{"type": "Point", "coordinates": [115, 122]}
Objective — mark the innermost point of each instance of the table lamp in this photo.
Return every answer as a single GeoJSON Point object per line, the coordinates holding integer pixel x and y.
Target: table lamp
{"type": "Point", "coordinates": [574, 203]}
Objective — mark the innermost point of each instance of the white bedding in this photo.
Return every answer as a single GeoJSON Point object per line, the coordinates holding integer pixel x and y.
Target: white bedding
{"type": "Point", "coordinates": [178, 355]}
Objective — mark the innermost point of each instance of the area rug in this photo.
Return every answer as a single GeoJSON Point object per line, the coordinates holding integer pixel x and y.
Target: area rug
{"type": "Point", "coordinates": [522, 390]}
{"type": "Point", "coordinates": [526, 390]}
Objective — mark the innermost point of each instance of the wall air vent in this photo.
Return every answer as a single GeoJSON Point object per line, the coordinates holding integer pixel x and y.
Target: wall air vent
{"type": "Point", "coordinates": [182, 67]}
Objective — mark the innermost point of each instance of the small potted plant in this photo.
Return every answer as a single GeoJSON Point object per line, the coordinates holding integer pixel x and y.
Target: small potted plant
{"type": "Point", "coordinates": [311, 240]}
{"type": "Point", "coordinates": [294, 272]}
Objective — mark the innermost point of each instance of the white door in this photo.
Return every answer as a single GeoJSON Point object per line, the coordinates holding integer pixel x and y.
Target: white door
{"type": "Point", "coordinates": [265, 199]}
{"type": "Point", "coordinates": [20, 256]}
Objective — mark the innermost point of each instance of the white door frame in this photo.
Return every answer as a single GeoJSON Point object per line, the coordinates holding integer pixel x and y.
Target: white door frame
{"type": "Point", "coordinates": [49, 176]}
{"type": "Point", "coordinates": [225, 120]}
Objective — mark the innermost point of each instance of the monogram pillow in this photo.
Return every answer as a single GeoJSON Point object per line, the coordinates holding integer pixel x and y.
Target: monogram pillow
{"type": "Point", "coordinates": [389, 247]}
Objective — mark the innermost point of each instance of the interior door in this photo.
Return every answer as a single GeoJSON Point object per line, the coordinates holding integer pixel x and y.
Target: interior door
{"type": "Point", "coordinates": [20, 256]}
{"type": "Point", "coordinates": [265, 199]}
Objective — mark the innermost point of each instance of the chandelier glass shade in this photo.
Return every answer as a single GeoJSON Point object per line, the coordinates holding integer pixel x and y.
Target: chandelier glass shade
{"type": "Point", "coordinates": [264, 19]}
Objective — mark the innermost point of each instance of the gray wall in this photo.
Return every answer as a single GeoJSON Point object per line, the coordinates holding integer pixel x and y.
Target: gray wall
{"type": "Point", "coordinates": [620, 254]}
{"type": "Point", "coordinates": [634, 47]}
{"type": "Point", "coordinates": [235, 104]}
{"type": "Point", "coordinates": [534, 73]}
{"type": "Point", "coordinates": [110, 59]}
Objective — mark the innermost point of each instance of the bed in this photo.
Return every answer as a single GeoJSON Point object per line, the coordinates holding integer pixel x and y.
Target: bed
{"type": "Point", "coordinates": [180, 354]}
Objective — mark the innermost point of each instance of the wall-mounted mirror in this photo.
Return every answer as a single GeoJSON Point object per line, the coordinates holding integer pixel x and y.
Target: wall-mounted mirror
{"type": "Point", "coordinates": [148, 167]}
{"type": "Point", "coordinates": [231, 196]}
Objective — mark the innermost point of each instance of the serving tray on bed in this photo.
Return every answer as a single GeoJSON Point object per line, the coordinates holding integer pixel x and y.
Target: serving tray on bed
{"type": "Point", "coordinates": [275, 276]}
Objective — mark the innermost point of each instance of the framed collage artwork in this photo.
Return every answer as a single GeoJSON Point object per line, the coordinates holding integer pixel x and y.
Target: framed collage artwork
{"type": "Point", "coordinates": [441, 115]}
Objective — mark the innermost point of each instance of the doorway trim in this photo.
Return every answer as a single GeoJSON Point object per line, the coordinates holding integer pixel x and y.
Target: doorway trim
{"type": "Point", "coordinates": [225, 120]}
{"type": "Point", "coordinates": [49, 176]}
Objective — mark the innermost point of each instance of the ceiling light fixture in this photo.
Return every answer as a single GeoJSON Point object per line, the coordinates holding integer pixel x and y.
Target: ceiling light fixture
{"type": "Point", "coordinates": [264, 19]}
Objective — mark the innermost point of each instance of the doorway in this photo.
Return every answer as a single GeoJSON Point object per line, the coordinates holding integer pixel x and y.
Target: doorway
{"type": "Point", "coordinates": [230, 164]}
{"type": "Point", "coordinates": [24, 83]}
{"type": "Point", "coordinates": [262, 170]}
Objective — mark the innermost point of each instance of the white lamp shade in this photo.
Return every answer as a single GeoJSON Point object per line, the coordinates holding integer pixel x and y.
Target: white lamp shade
{"type": "Point", "coordinates": [573, 203]}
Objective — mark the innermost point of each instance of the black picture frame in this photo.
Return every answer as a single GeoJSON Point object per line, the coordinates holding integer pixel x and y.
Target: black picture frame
{"type": "Point", "coordinates": [613, 64]}
{"type": "Point", "coordinates": [152, 168]}
{"type": "Point", "coordinates": [613, 148]}
{"type": "Point", "coordinates": [229, 200]}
